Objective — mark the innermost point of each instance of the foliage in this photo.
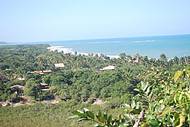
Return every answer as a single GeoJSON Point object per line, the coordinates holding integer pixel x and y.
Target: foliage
{"type": "Point", "coordinates": [156, 88]}
{"type": "Point", "coordinates": [164, 101]}
{"type": "Point", "coordinates": [102, 119]}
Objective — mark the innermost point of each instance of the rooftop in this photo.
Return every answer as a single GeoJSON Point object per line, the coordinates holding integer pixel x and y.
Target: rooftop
{"type": "Point", "coordinates": [110, 67]}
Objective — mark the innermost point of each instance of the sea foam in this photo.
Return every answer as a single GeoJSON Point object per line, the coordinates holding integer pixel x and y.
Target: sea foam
{"type": "Point", "coordinates": [71, 51]}
{"type": "Point", "coordinates": [61, 49]}
{"type": "Point", "coordinates": [66, 50]}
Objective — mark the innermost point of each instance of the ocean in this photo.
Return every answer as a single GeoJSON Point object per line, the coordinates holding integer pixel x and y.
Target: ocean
{"type": "Point", "coordinates": [153, 46]}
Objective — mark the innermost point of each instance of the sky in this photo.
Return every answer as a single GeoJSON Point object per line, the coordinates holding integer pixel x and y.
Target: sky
{"type": "Point", "coordinates": [53, 20]}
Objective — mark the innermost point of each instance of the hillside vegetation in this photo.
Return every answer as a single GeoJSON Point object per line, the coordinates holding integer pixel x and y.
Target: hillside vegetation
{"type": "Point", "coordinates": [136, 91]}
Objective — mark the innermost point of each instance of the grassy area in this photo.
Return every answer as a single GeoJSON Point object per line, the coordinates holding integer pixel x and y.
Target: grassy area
{"type": "Point", "coordinates": [41, 115]}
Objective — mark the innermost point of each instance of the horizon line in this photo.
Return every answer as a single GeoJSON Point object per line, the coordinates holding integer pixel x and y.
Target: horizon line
{"type": "Point", "coordinates": [105, 38]}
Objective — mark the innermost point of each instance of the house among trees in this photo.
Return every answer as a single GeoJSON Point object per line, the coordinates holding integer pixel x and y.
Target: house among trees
{"type": "Point", "coordinates": [110, 67]}
{"type": "Point", "coordinates": [21, 79]}
{"type": "Point", "coordinates": [41, 72]}
{"type": "Point", "coordinates": [37, 72]}
{"type": "Point", "coordinates": [45, 92]}
{"type": "Point", "coordinates": [47, 71]}
{"type": "Point", "coordinates": [59, 65]}
{"type": "Point", "coordinates": [44, 86]}
{"type": "Point", "coordinates": [18, 89]}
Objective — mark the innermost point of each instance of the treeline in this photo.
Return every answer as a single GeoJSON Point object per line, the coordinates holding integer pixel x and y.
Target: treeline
{"type": "Point", "coordinates": [80, 79]}
{"type": "Point", "coordinates": [150, 92]}
{"type": "Point", "coordinates": [161, 99]}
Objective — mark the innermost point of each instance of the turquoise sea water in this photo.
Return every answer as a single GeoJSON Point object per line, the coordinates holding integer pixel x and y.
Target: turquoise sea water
{"type": "Point", "coordinates": [175, 45]}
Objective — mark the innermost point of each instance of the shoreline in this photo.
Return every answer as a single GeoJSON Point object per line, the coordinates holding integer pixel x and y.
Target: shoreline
{"type": "Point", "coordinates": [71, 51]}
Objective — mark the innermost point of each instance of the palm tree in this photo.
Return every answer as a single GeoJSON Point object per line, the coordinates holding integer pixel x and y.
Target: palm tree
{"type": "Point", "coordinates": [176, 60]}
{"type": "Point", "coordinates": [163, 60]}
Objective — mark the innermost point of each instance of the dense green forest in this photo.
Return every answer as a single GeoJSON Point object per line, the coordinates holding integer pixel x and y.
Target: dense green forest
{"type": "Point", "coordinates": [43, 88]}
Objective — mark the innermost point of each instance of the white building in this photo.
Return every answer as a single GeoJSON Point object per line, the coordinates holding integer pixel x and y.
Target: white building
{"type": "Point", "coordinates": [21, 79]}
{"type": "Point", "coordinates": [110, 67]}
{"type": "Point", "coordinates": [59, 65]}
